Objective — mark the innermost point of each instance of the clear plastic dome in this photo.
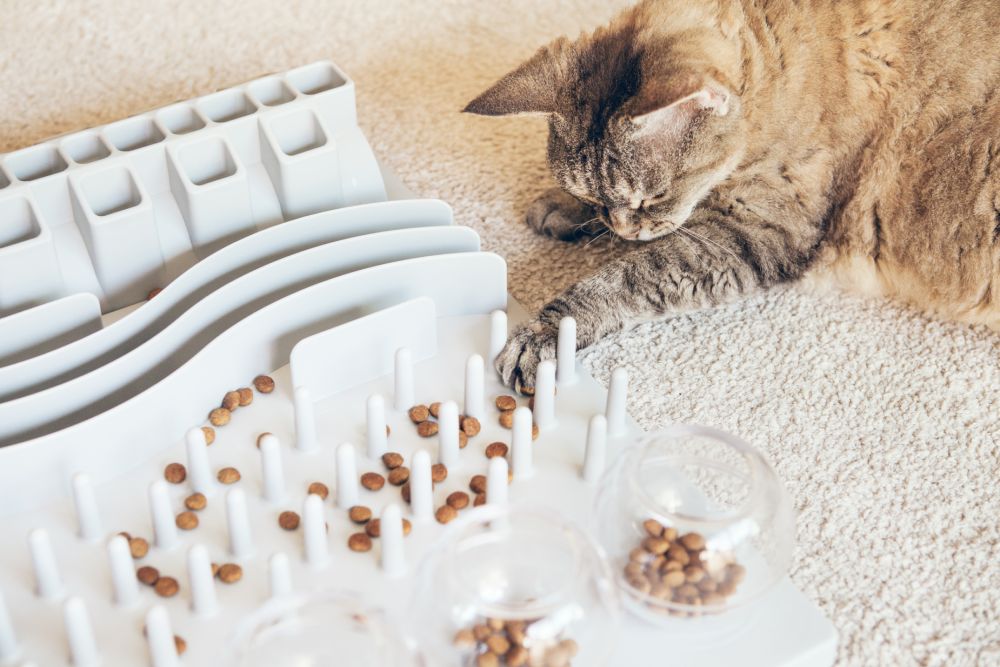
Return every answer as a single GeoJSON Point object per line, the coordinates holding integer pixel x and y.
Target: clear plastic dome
{"type": "Point", "coordinates": [516, 587]}
{"type": "Point", "coordinates": [696, 525]}
{"type": "Point", "coordinates": [318, 630]}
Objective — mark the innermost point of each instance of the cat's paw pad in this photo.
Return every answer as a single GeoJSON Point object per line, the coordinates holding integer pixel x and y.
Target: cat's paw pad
{"type": "Point", "coordinates": [560, 216]}
{"type": "Point", "coordinates": [528, 345]}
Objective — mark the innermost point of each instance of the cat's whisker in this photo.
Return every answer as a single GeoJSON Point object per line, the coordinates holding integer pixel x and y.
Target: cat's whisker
{"type": "Point", "coordinates": [591, 241]}
{"type": "Point", "coordinates": [709, 241]}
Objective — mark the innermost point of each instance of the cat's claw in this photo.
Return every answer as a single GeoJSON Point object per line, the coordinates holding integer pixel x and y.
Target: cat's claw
{"type": "Point", "coordinates": [561, 216]}
{"type": "Point", "coordinates": [528, 345]}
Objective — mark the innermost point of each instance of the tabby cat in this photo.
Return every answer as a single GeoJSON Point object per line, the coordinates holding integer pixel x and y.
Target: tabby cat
{"type": "Point", "coordinates": [741, 144]}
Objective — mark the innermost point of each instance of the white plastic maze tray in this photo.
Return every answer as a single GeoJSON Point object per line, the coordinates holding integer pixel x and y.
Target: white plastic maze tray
{"type": "Point", "coordinates": [245, 248]}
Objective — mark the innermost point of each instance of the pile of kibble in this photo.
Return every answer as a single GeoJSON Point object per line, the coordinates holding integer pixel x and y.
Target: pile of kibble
{"type": "Point", "coordinates": [676, 568]}
{"type": "Point", "coordinates": [495, 642]}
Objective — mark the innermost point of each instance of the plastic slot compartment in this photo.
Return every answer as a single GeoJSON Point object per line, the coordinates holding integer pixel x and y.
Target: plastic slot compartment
{"type": "Point", "coordinates": [29, 269]}
{"type": "Point", "coordinates": [47, 327]}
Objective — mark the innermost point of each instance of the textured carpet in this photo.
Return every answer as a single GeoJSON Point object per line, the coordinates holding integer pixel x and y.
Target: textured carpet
{"type": "Point", "coordinates": [883, 424]}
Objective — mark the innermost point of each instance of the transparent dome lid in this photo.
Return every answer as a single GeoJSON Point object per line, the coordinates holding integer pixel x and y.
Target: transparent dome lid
{"type": "Point", "coordinates": [515, 586]}
{"type": "Point", "coordinates": [696, 524]}
{"type": "Point", "coordinates": [318, 630]}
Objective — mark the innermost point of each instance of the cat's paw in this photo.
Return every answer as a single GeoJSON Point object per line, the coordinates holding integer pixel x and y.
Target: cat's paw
{"type": "Point", "coordinates": [561, 216]}
{"type": "Point", "coordinates": [528, 345]}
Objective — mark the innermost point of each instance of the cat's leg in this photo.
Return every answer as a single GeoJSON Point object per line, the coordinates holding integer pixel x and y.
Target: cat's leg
{"type": "Point", "coordinates": [712, 262]}
{"type": "Point", "coordinates": [560, 215]}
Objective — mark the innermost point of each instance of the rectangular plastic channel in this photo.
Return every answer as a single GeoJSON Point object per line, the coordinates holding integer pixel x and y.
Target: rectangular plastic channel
{"type": "Point", "coordinates": [180, 119]}
{"type": "Point", "coordinates": [207, 161]}
{"type": "Point", "coordinates": [85, 148]}
{"type": "Point", "coordinates": [227, 105]}
{"type": "Point", "coordinates": [37, 162]}
{"type": "Point", "coordinates": [298, 132]}
{"type": "Point", "coordinates": [111, 192]}
{"type": "Point", "coordinates": [315, 78]}
{"type": "Point", "coordinates": [133, 133]}
{"type": "Point", "coordinates": [17, 222]}
{"type": "Point", "coordinates": [271, 91]}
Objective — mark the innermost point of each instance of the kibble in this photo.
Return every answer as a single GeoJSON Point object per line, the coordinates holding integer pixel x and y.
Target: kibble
{"type": "Point", "coordinates": [289, 520]}
{"type": "Point", "coordinates": [479, 500]}
{"type": "Point", "coordinates": [196, 501]}
{"type": "Point", "coordinates": [399, 476]}
{"type": "Point", "coordinates": [209, 434]}
{"type": "Point", "coordinates": [498, 644]}
{"type": "Point", "coordinates": [439, 473]}
{"type": "Point", "coordinates": [372, 481]}
{"type": "Point", "coordinates": [147, 575]}
{"type": "Point", "coordinates": [419, 414]}
{"type": "Point", "coordinates": [507, 419]}
{"type": "Point", "coordinates": [693, 542]}
{"type": "Point", "coordinates": [487, 660]}
{"type": "Point", "coordinates": [264, 384]}
{"type": "Point", "coordinates": [219, 417]}
{"type": "Point", "coordinates": [463, 440]}
{"type": "Point", "coordinates": [407, 527]}
{"type": "Point", "coordinates": [186, 520]}
{"type": "Point", "coordinates": [180, 645]}
{"type": "Point", "coordinates": [392, 460]}
{"type": "Point", "coordinates": [459, 500]}
{"type": "Point", "coordinates": [359, 542]}
{"type": "Point", "coordinates": [478, 484]}
{"type": "Point", "coordinates": [506, 403]}
{"type": "Point", "coordinates": [373, 528]}
{"type": "Point", "coordinates": [527, 391]}
{"type": "Point", "coordinates": [471, 426]}
{"type": "Point", "coordinates": [653, 527]}
{"type": "Point", "coordinates": [404, 492]}
{"type": "Point", "coordinates": [445, 513]}
{"type": "Point", "coordinates": [138, 547]}
{"type": "Point", "coordinates": [534, 431]}
{"type": "Point", "coordinates": [495, 449]}
{"type": "Point", "coordinates": [427, 429]}
{"type": "Point", "coordinates": [495, 642]}
{"type": "Point", "coordinates": [175, 473]}
{"type": "Point", "coordinates": [319, 489]}
{"type": "Point", "coordinates": [230, 573]}
{"type": "Point", "coordinates": [231, 400]}
{"type": "Point", "coordinates": [435, 409]}
{"type": "Point", "coordinates": [246, 396]}
{"type": "Point", "coordinates": [359, 514]}
{"type": "Point", "coordinates": [166, 587]}
{"type": "Point", "coordinates": [153, 292]}
{"type": "Point", "coordinates": [229, 475]}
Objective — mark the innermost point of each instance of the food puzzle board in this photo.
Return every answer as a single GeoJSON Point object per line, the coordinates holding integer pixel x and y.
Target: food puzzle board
{"type": "Point", "coordinates": [329, 265]}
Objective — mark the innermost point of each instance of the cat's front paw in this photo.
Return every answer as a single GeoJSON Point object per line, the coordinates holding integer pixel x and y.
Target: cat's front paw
{"type": "Point", "coordinates": [561, 216]}
{"type": "Point", "coordinates": [528, 345]}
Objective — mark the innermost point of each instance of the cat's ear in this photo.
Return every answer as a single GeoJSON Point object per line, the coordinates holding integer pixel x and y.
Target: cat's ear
{"type": "Point", "coordinates": [668, 105]}
{"type": "Point", "coordinates": [532, 88]}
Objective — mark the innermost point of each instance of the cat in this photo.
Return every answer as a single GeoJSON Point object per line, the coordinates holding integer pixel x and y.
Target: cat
{"type": "Point", "coordinates": [743, 144]}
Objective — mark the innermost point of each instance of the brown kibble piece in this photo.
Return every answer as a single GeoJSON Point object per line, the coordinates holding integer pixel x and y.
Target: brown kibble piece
{"type": "Point", "coordinates": [463, 440]}
{"type": "Point", "coordinates": [196, 501]}
{"type": "Point", "coordinates": [506, 403]}
{"type": "Point", "coordinates": [359, 542]}
{"type": "Point", "coordinates": [464, 638]}
{"type": "Point", "coordinates": [498, 644]}
{"type": "Point", "coordinates": [495, 449]}
{"type": "Point", "coordinates": [435, 409]}
{"type": "Point", "coordinates": [359, 514]}
{"type": "Point", "coordinates": [373, 528]}
{"type": "Point", "coordinates": [264, 384]}
{"type": "Point", "coordinates": [147, 575]}
{"type": "Point", "coordinates": [481, 632]}
{"type": "Point", "coordinates": [527, 391]}
{"type": "Point", "coordinates": [231, 400]}
{"type": "Point", "coordinates": [479, 500]}
{"type": "Point", "coordinates": [427, 429]}
{"type": "Point", "coordinates": [166, 587]}
{"type": "Point", "coordinates": [180, 645]}
{"type": "Point", "coordinates": [693, 574]}
{"type": "Point", "coordinates": [138, 547]}
{"type": "Point", "coordinates": [175, 473]}
{"type": "Point", "coordinates": [246, 396]}
{"type": "Point", "coordinates": [186, 520]}
{"type": "Point", "coordinates": [478, 484]}
{"type": "Point", "coordinates": [655, 545]}
{"type": "Point", "coordinates": [506, 419]}
{"type": "Point", "coordinates": [399, 476]}
{"type": "Point", "coordinates": [517, 656]}
{"type": "Point", "coordinates": [219, 417]}
{"type": "Point", "coordinates": [419, 414]}
{"type": "Point", "coordinates": [459, 500]}
{"type": "Point", "coordinates": [674, 578]}
{"type": "Point", "coordinates": [445, 513]}
{"type": "Point", "coordinates": [693, 542]}
{"type": "Point", "coordinates": [487, 659]}
{"type": "Point", "coordinates": [289, 520]}
{"type": "Point", "coordinates": [229, 475]}
{"type": "Point", "coordinates": [471, 426]}
{"type": "Point", "coordinates": [153, 292]}
{"type": "Point", "coordinates": [653, 527]}
{"type": "Point", "coordinates": [372, 481]}
{"type": "Point", "coordinates": [215, 569]}
{"type": "Point", "coordinates": [678, 554]}
{"type": "Point", "coordinates": [230, 573]}
{"type": "Point", "coordinates": [319, 489]}
{"type": "Point", "coordinates": [534, 431]}
{"type": "Point", "coordinates": [407, 527]}
{"type": "Point", "coordinates": [392, 460]}
{"type": "Point", "coordinates": [439, 473]}
{"type": "Point", "coordinates": [404, 492]}
{"type": "Point", "coordinates": [209, 434]}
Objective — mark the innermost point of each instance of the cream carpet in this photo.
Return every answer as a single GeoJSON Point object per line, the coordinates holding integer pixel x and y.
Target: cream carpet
{"type": "Point", "coordinates": [883, 424]}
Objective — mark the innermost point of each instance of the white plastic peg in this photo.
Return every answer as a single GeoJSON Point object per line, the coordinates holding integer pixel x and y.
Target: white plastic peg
{"type": "Point", "coordinates": [421, 487]}
{"type": "Point", "coordinates": [317, 552]}
{"type": "Point", "coordinates": [520, 446]}
{"type": "Point", "coordinates": [617, 395]}
{"type": "Point", "coordinates": [391, 536]}
{"type": "Point", "coordinates": [238, 523]}
{"type": "Point", "coordinates": [8, 640]}
{"type": "Point", "coordinates": [545, 395]}
{"type": "Point", "coordinates": [378, 441]}
{"type": "Point", "coordinates": [272, 470]}
{"type": "Point", "coordinates": [566, 351]}
{"type": "Point", "coordinates": [88, 518]}
{"type": "Point", "coordinates": [198, 471]}
{"type": "Point", "coordinates": [496, 481]}
{"type": "Point", "coordinates": [474, 387]}
{"type": "Point", "coordinates": [498, 334]}
{"type": "Point", "coordinates": [164, 528]}
{"type": "Point", "coordinates": [597, 443]}
{"type": "Point", "coordinates": [80, 635]}
{"type": "Point", "coordinates": [347, 476]}
{"type": "Point", "coordinates": [160, 638]}
{"type": "Point", "coordinates": [203, 600]}
{"type": "Point", "coordinates": [279, 575]}
{"type": "Point", "coordinates": [403, 397]}
{"type": "Point", "coordinates": [123, 581]}
{"type": "Point", "coordinates": [448, 434]}
{"type": "Point", "coordinates": [306, 439]}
